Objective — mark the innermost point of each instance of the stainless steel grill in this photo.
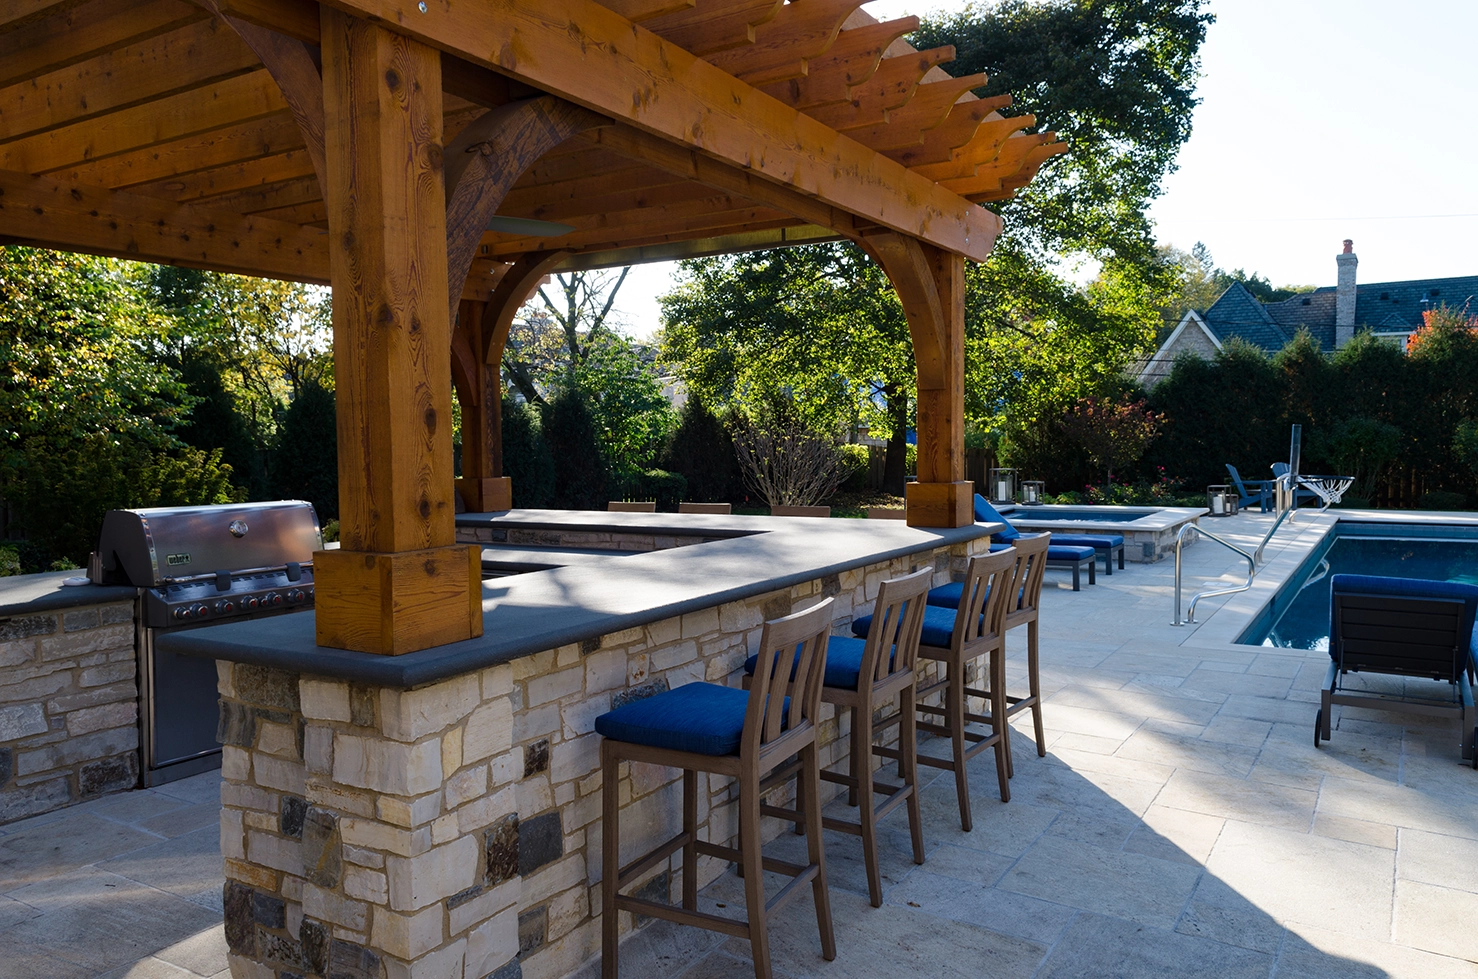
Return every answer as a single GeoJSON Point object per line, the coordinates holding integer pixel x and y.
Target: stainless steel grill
{"type": "Point", "coordinates": [197, 566]}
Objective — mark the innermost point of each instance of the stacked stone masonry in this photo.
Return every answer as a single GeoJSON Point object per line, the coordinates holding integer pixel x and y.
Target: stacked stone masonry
{"type": "Point", "coordinates": [68, 707]}
{"type": "Point", "coordinates": [453, 831]}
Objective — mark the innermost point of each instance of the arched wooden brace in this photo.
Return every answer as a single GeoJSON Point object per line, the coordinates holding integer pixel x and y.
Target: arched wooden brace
{"type": "Point", "coordinates": [296, 73]}
{"type": "Point", "coordinates": [931, 286]}
{"type": "Point", "coordinates": [487, 158]}
{"type": "Point", "coordinates": [477, 352]}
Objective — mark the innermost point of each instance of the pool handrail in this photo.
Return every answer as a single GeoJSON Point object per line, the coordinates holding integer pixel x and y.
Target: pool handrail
{"type": "Point", "coordinates": [1190, 616]}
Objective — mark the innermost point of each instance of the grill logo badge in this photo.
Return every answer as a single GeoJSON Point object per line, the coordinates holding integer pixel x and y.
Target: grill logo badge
{"type": "Point", "coordinates": [237, 528]}
{"type": "Point", "coordinates": [175, 560]}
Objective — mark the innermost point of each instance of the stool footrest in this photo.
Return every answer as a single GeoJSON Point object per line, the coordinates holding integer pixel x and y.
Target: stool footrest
{"type": "Point", "coordinates": [653, 857]}
{"type": "Point", "coordinates": [684, 916]}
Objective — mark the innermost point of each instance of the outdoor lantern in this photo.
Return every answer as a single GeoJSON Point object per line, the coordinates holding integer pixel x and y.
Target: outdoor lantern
{"type": "Point", "coordinates": [1002, 485]}
{"type": "Point", "coordinates": [1220, 501]}
{"type": "Point", "coordinates": [1032, 491]}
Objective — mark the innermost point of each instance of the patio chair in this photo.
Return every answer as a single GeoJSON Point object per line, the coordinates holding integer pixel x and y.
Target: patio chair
{"type": "Point", "coordinates": [724, 731]}
{"type": "Point", "coordinates": [1259, 491]}
{"type": "Point", "coordinates": [630, 506]}
{"type": "Point", "coordinates": [1301, 495]}
{"type": "Point", "coordinates": [861, 676]}
{"type": "Point", "coordinates": [975, 628]}
{"type": "Point", "coordinates": [1062, 557]}
{"type": "Point", "coordinates": [718, 508]}
{"type": "Point", "coordinates": [1407, 627]}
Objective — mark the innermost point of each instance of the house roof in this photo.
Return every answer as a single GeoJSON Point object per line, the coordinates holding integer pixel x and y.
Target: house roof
{"type": "Point", "coordinates": [1385, 307]}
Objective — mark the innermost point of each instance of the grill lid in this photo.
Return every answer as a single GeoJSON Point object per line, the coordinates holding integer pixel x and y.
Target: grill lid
{"type": "Point", "coordinates": [149, 547]}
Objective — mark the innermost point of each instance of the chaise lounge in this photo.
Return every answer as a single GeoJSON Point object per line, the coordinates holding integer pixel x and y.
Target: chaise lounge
{"type": "Point", "coordinates": [1060, 556]}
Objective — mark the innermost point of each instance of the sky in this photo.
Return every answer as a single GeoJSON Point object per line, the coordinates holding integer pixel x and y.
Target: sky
{"type": "Point", "coordinates": [1319, 120]}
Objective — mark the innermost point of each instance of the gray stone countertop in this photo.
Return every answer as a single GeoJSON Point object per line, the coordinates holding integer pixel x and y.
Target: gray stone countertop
{"type": "Point", "coordinates": [528, 613]}
{"type": "Point", "coordinates": [33, 594]}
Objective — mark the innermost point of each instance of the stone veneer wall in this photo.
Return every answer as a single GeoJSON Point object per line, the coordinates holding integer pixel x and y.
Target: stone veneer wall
{"type": "Point", "coordinates": [453, 831]}
{"type": "Point", "coordinates": [68, 707]}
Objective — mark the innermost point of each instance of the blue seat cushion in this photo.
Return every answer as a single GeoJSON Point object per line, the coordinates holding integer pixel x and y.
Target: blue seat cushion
{"type": "Point", "coordinates": [843, 662]}
{"type": "Point", "coordinates": [1056, 553]}
{"type": "Point", "coordinates": [939, 625]}
{"type": "Point", "coordinates": [1095, 541]}
{"type": "Point", "coordinates": [985, 513]}
{"type": "Point", "coordinates": [703, 718]}
{"type": "Point", "coordinates": [1363, 584]}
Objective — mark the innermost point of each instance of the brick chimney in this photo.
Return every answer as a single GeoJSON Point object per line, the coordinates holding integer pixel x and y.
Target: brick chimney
{"type": "Point", "coordinates": [1344, 296]}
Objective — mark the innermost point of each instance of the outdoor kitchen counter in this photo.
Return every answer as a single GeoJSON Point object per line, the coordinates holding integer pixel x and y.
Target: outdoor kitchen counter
{"type": "Point", "coordinates": [30, 594]}
{"type": "Point", "coordinates": [738, 557]}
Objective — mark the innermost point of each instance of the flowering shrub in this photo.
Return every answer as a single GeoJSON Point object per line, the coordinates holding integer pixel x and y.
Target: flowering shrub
{"type": "Point", "coordinates": [1114, 434]}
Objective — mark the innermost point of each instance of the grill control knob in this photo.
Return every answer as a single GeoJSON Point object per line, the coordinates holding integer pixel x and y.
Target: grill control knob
{"type": "Point", "coordinates": [272, 599]}
{"type": "Point", "coordinates": [308, 594]}
{"type": "Point", "coordinates": [249, 603]}
{"type": "Point", "coordinates": [295, 596]}
{"type": "Point", "coordinates": [183, 613]}
{"type": "Point", "coordinates": [201, 611]}
{"type": "Point", "coordinates": [225, 607]}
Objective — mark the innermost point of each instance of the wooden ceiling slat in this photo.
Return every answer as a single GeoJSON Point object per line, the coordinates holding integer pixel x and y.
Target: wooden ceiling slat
{"type": "Point", "coordinates": [238, 99]}
{"type": "Point", "coordinates": [77, 33]}
{"type": "Point", "coordinates": [689, 219]}
{"type": "Point", "coordinates": [181, 59]}
{"type": "Point", "coordinates": [251, 175]}
{"type": "Point", "coordinates": [568, 196]}
{"type": "Point", "coordinates": [983, 147]}
{"type": "Point", "coordinates": [715, 25]}
{"type": "Point", "coordinates": [783, 47]}
{"type": "Point", "coordinates": [990, 176]}
{"type": "Point", "coordinates": [586, 160]}
{"type": "Point", "coordinates": [930, 105]}
{"type": "Point", "coordinates": [670, 191]}
{"type": "Point", "coordinates": [59, 213]}
{"type": "Point", "coordinates": [958, 130]}
{"type": "Point", "coordinates": [889, 88]}
{"type": "Point", "coordinates": [851, 60]}
{"type": "Point", "coordinates": [638, 11]}
{"type": "Point", "coordinates": [18, 13]}
{"type": "Point", "coordinates": [313, 214]}
{"type": "Point", "coordinates": [297, 19]}
{"type": "Point", "coordinates": [1035, 157]}
{"type": "Point", "coordinates": [254, 200]}
{"type": "Point", "coordinates": [268, 136]}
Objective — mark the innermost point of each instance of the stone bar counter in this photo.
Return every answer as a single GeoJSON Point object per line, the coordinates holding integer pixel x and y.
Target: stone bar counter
{"type": "Point", "coordinates": [437, 814]}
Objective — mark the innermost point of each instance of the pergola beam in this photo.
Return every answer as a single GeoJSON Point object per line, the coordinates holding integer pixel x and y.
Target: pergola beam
{"type": "Point", "coordinates": [61, 214]}
{"type": "Point", "coordinates": [592, 56]}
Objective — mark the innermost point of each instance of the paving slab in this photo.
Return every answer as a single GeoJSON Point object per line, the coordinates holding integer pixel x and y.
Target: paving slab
{"type": "Point", "coordinates": [1141, 888]}
{"type": "Point", "coordinates": [1098, 945]}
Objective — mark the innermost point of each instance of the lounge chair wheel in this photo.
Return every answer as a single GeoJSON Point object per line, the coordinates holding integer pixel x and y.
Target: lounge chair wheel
{"type": "Point", "coordinates": [1318, 725]}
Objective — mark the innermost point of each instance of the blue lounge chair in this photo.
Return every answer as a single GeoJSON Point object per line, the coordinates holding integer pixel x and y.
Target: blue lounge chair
{"type": "Point", "coordinates": [1259, 491]}
{"type": "Point", "coordinates": [1106, 546]}
{"type": "Point", "coordinates": [1072, 558]}
{"type": "Point", "coordinates": [1408, 627]}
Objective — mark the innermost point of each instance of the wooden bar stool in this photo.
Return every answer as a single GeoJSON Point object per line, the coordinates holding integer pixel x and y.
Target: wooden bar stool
{"type": "Point", "coordinates": [975, 628]}
{"type": "Point", "coordinates": [630, 506]}
{"type": "Point", "coordinates": [861, 674]}
{"type": "Point", "coordinates": [711, 728]}
{"type": "Point", "coordinates": [719, 508]}
{"type": "Point", "coordinates": [1031, 568]}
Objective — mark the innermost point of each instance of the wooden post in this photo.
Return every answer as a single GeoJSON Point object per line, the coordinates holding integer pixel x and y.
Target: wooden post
{"type": "Point", "coordinates": [931, 286]}
{"type": "Point", "coordinates": [483, 486]}
{"type": "Point", "coordinates": [401, 582]}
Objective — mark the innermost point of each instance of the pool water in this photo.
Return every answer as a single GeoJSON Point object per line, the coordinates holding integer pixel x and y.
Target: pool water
{"type": "Point", "coordinates": [1299, 617]}
{"type": "Point", "coordinates": [1087, 515]}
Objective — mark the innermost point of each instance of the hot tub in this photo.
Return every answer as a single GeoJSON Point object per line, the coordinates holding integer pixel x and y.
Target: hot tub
{"type": "Point", "coordinates": [1148, 531]}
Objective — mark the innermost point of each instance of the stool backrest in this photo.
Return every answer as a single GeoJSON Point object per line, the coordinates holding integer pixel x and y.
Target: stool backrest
{"type": "Point", "coordinates": [799, 638]}
{"type": "Point", "coordinates": [631, 506]}
{"type": "Point", "coordinates": [1031, 568]}
{"type": "Point", "coordinates": [897, 625]}
{"type": "Point", "coordinates": [719, 508]}
{"type": "Point", "coordinates": [990, 586]}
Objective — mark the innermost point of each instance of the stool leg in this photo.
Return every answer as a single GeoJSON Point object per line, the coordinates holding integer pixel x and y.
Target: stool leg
{"type": "Point", "coordinates": [859, 747]}
{"type": "Point", "coordinates": [908, 746]}
{"type": "Point", "coordinates": [690, 851]}
{"type": "Point", "coordinates": [750, 857]}
{"type": "Point", "coordinates": [815, 853]}
{"type": "Point", "coordinates": [1034, 678]}
{"type": "Point", "coordinates": [997, 668]}
{"type": "Point", "coordinates": [866, 810]}
{"type": "Point", "coordinates": [954, 713]}
{"type": "Point", "coordinates": [610, 918]}
{"type": "Point", "coordinates": [998, 709]}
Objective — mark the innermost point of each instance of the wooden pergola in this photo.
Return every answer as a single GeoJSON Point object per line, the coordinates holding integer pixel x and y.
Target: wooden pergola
{"type": "Point", "coordinates": [369, 144]}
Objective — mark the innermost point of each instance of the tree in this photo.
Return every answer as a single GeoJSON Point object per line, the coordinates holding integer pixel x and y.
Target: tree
{"type": "Point", "coordinates": [1361, 447]}
{"type": "Point", "coordinates": [306, 454]}
{"type": "Point", "coordinates": [556, 335]}
{"type": "Point", "coordinates": [785, 461]}
{"type": "Point", "coordinates": [1113, 434]}
{"type": "Point", "coordinates": [702, 451]}
{"type": "Point", "coordinates": [526, 457]}
{"type": "Point", "coordinates": [581, 480]}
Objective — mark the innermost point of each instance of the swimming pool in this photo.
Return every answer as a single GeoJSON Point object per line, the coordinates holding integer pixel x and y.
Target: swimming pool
{"type": "Point", "coordinates": [1298, 615]}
